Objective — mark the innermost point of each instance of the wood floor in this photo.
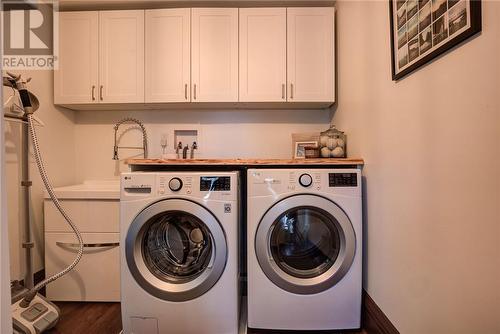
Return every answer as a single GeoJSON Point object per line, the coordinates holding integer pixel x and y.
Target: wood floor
{"type": "Point", "coordinates": [88, 318]}
{"type": "Point", "coordinates": [101, 318]}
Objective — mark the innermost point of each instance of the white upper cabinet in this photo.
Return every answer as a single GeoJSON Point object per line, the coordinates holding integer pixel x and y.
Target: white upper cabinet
{"type": "Point", "coordinates": [311, 70]}
{"type": "Point", "coordinates": [262, 55]}
{"type": "Point", "coordinates": [121, 44]}
{"type": "Point", "coordinates": [76, 80]}
{"type": "Point", "coordinates": [214, 54]}
{"type": "Point", "coordinates": [276, 56]}
{"type": "Point", "coordinates": [168, 55]}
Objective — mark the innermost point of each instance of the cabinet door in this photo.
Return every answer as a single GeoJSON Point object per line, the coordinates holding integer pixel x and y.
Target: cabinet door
{"type": "Point", "coordinates": [311, 69]}
{"type": "Point", "coordinates": [121, 72]}
{"type": "Point", "coordinates": [89, 215]}
{"type": "Point", "coordinates": [262, 54]}
{"type": "Point", "coordinates": [76, 79]}
{"type": "Point", "coordinates": [214, 62]}
{"type": "Point", "coordinates": [97, 275]}
{"type": "Point", "coordinates": [168, 47]}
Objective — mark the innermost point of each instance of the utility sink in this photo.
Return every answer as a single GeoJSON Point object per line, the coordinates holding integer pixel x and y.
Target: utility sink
{"type": "Point", "coordinates": [95, 189]}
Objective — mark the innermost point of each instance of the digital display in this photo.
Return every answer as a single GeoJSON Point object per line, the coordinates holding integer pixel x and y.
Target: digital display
{"type": "Point", "coordinates": [215, 183]}
{"type": "Point", "coordinates": [343, 179]}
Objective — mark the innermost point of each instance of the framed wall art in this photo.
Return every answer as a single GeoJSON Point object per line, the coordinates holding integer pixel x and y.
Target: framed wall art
{"type": "Point", "coordinates": [423, 29]}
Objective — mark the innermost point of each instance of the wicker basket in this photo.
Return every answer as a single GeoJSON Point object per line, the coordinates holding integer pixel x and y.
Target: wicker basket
{"type": "Point", "coordinates": [311, 152]}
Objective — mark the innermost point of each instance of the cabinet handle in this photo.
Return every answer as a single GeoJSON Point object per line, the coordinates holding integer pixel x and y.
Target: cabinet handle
{"type": "Point", "coordinates": [93, 93]}
{"type": "Point", "coordinates": [194, 95]}
{"type": "Point", "coordinates": [283, 87]}
{"type": "Point", "coordinates": [100, 92]}
{"type": "Point", "coordinates": [291, 90]}
{"type": "Point", "coordinates": [96, 245]}
{"type": "Point", "coordinates": [186, 91]}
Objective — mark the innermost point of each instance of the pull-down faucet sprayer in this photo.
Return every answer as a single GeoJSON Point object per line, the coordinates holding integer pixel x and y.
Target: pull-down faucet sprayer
{"type": "Point", "coordinates": [144, 147]}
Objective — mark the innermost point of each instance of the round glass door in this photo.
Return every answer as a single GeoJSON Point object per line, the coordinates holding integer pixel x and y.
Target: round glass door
{"type": "Point", "coordinates": [305, 244]}
{"type": "Point", "coordinates": [177, 246]}
{"type": "Point", "coordinates": [176, 250]}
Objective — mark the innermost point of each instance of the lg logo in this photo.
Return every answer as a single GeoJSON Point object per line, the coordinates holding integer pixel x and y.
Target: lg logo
{"type": "Point", "coordinates": [28, 34]}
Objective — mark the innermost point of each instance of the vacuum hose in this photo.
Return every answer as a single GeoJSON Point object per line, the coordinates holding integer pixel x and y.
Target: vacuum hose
{"type": "Point", "coordinates": [39, 162]}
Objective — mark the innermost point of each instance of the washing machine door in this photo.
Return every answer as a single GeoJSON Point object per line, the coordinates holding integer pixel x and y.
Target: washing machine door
{"type": "Point", "coordinates": [305, 244]}
{"type": "Point", "coordinates": [176, 249]}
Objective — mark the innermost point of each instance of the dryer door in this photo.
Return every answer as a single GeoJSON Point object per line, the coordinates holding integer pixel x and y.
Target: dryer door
{"type": "Point", "coordinates": [305, 244]}
{"type": "Point", "coordinates": [176, 249]}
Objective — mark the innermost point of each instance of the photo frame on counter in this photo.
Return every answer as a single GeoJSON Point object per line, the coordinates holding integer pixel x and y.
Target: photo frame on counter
{"type": "Point", "coordinates": [421, 30]}
{"type": "Point", "coordinates": [300, 151]}
{"type": "Point", "coordinates": [304, 137]}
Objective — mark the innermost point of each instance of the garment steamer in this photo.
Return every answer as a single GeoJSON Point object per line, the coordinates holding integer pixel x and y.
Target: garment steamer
{"type": "Point", "coordinates": [31, 312]}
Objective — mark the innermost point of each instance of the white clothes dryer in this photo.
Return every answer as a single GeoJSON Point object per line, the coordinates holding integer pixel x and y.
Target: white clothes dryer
{"type": "Point", "coordinates": [179, 260]}
{"type": "Point", "coordinates": [304, 249]}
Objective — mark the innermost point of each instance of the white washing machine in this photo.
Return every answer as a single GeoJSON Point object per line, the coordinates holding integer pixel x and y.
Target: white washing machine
{"type": "Point", "coordinates": [179, 260]}
{"type": "Point", "coordinates": [304, 249]}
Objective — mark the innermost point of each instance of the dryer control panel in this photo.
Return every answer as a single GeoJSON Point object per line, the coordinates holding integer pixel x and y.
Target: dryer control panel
{"type": "Point", "coordinates": [343, 179]}
{"type": "Point", "coordinates": [273, 182]}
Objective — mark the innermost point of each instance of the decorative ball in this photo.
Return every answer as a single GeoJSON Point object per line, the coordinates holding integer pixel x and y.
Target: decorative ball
{"type": "Point", "coordinates": [340, 142]}
{"type": "Point", "coordinates": [323, 140]}
{"type": "Point", "coordinates": [331, 143]}
{"type": "Point", "coordinates": [325, 152]}
{"type": "Point", "coordinates": [337, 152]}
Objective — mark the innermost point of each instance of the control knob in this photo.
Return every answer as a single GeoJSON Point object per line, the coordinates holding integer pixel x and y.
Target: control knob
{"type": "Point", "coordinates": [175, 184]}
{"type": "Point", "coordinates": [305, 180]}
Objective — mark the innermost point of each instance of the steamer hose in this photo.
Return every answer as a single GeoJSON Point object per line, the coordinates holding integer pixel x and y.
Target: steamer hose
{"type": "Point", "coordinates": [41, 168]}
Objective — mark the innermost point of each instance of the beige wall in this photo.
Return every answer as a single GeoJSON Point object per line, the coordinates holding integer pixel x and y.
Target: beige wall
{"type": "Point", "coordinates": [57, 142]}
{"type": "Point", "coordinates": [432, 147]}
{"type": "Point", "coordinates": [224, 134]}
{"type": "Point", "coordinates": [5, 320]}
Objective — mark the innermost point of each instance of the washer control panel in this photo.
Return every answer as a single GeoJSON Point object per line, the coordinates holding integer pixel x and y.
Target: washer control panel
{"type": "Point", "coordinates": [305, 180]}
{"type": "Point", "coordinates": [215, 183]}
{"type": "Point", "coordinates": [343, 179]}
{"type": "Point", "coordinates": [175, 184]}
{"type": "Point", "coordinates": [207, 186]}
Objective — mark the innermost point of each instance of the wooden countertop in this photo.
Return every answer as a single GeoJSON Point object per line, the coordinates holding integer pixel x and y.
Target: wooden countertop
{"type": "Point", "coordinates": [245, 162]}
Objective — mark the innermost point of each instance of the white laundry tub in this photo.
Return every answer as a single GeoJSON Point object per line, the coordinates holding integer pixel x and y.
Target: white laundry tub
{"type": "Point", "coordinates": [94, 207]}
{"type": "Point", "coordinates": [108, 189]}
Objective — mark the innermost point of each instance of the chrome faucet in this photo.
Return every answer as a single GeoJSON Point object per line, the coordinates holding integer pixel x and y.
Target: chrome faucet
{"type": "Point", "coordinates": [144, 147]}
{"type": "Point", "coordinates": [177, 148]}
{"type": "Point", "coordinates": [184, 152]}
{"type": "Point", "coordinates": [193, 147]}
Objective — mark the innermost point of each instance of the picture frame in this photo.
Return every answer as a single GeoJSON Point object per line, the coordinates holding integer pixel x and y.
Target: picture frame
{"type": "Point", "coordinates": [303, 137]}
{"type": "Point", "coordinates": [300, 148]}
{"type": "Point", "coordinates": [421, 30]}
